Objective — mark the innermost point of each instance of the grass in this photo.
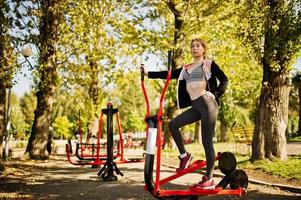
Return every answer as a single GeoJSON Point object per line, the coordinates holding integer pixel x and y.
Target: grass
{"type": "Point", "coordinates": [294, 139]}
{"type": "Point", "coordinates": [290, 168]}
{"type": "Point", "coordinates": [287, 169]}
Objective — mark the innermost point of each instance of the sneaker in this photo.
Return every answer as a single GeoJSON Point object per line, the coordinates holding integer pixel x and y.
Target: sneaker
{"type": "Point", "coordinates": [184, 162]}
{"type": "Point", "coordinates": [206, 184]}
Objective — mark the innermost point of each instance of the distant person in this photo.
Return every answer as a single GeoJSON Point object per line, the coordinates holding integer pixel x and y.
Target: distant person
{"type": "Point", "coordinates": [49, 141]}
{"type": "Point", "coordinates": [93, 126]}
{"type": "Point", "coordinates": [198, 88]}
{"type": "Point", "coordinates": [129, 141]}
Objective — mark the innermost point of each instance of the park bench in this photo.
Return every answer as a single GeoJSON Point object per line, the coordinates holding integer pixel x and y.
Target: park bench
{"type": "Point", "coordinates": [243, 135]}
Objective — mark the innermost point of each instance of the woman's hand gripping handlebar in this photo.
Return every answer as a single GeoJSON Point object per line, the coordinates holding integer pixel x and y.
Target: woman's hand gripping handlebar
{"type": "Point", "coordinates": [143, 72]}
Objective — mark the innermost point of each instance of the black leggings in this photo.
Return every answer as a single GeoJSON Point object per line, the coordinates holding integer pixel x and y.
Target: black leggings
{"type": "Point", "coordinates": [203, 108]}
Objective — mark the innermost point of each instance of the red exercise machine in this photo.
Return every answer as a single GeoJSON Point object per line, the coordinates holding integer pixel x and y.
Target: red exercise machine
{"type": "Point", "coordinates": [87, 150]}
{"type": "Point", "coordinates": [236, 178]}
{"type": "Point", "coordinates": [102, 159]}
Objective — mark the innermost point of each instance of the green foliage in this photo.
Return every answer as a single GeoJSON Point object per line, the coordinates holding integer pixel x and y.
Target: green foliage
{"type": "Point", "coordinates": [294, 104]}
{"type": "Point", "coordinates": [18, 124]}
{"type": "Point", "coordinates": [294, 97]}
{"type": "Point", "coordinates": [8, 67]}
{"type": "Point", "coordinates": [23, 29]}
{"type": "Point", "coordinates": [276, 25]}
{"type": "Point", "coordinates": [128, 98]}
{"type": "Point", "coordinates": [271, 30]}
{"type": "Point", "coordinates": [100, 41]}
{"type": "Point", "coordinates": [133, 122]}
{"type": "Point", "coordinates": [90, 60]}
{"type": "Point", "coordinates": [73, 104]}
{"type": "Point", "coordinates": [61, 127]}
{"type": "Point", "coordinates": [28, 105]}
{"type": "Point", "coordinates": [216, 23]}
{"type": "Point", "coordinates": [189, 128]}
{"type": "Point", "coordinates": [7, 55]}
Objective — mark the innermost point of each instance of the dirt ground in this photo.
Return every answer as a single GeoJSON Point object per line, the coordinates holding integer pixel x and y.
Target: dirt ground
{"type": "Point", "coordinates": [57, 179]}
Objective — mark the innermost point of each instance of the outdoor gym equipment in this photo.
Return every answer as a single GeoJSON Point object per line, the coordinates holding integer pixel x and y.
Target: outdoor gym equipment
{"type": "Point", "coordinates": [92, 160]}
{"type": "Point", "coordinates": [154, 133]}
{"type": "Point", "coordinates": [103, 159]}
{"type": "Point", "coordinates": [83, 147]}
{"type": "Point", "coordinates": [107, 171]}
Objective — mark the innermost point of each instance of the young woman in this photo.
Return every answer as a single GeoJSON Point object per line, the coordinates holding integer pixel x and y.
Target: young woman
{"type": "Point", "coordinates": [197, 88]}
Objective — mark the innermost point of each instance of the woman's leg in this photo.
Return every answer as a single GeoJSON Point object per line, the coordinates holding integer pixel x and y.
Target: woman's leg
{"type": "Point", "coordinates": [209, 111]}
{"type": "Point", "coordinates": [187, 117]}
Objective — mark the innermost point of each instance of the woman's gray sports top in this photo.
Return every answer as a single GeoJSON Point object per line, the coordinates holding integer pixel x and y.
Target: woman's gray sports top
{"type": "Point", "coordinates": [196, 74]}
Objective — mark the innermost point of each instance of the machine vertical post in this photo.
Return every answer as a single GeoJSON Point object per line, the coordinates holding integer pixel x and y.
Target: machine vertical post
{"type": "Point", "coordinates": [107, 171]}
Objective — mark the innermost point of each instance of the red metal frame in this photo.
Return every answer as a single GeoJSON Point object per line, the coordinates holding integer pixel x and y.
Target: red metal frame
{"type": "Point", "coordinates": [99, 157]}
{"type": "Point", "coordinates": [159, 135]}
{"type": "Point", "coordinates": [93, 163]}
{"type": "Point", "coordinates": [154, 186]}
{"type": "Point", "coordinates": [82, 146]}
{"type": "Point", "coordinates": [147, 114]}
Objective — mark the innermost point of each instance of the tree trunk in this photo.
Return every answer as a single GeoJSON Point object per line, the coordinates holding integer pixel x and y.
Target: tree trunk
{"type": "Point", "coordinates": [2, 117]}
{"type": "Point", "coordinates": [166, 136]}
{"type": "Point", "coordinates": [94, 88]}
{"type": "Point", "coordinates": [258, 137]}
{"type": "Point", "coordinates": [37, 144]}
{"type": "Point", "coordinates": [224, 128]}
{"type": "Point", "coordinates": [197, 133]}
{"type": "Point", "coordinates": [271, 121]}
{"type": "Point", "coordinates": [7, 126]}
{"type": "Point", "coordinates": [2, 80]}
{"type": "Point", "coordinates": [269, 137]}
{"type": "Point", "coordinates": [170, 110]}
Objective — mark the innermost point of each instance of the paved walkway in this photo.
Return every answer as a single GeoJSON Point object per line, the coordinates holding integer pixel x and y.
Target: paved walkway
{"type": "Point", "coordinates": [294, 148]}
{"type": "Point", "coordinates": [130, 186]}
{"type": "Point", "coordinates": [56, 179]}
{"type": "Point", "coordinates": [133, 173]}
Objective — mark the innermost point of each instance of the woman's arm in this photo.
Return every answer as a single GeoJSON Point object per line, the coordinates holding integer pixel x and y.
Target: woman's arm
{"type": "Point", "coordinates": [223, 80]}
{"type": "Point", "coordinates": [163, 74]}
